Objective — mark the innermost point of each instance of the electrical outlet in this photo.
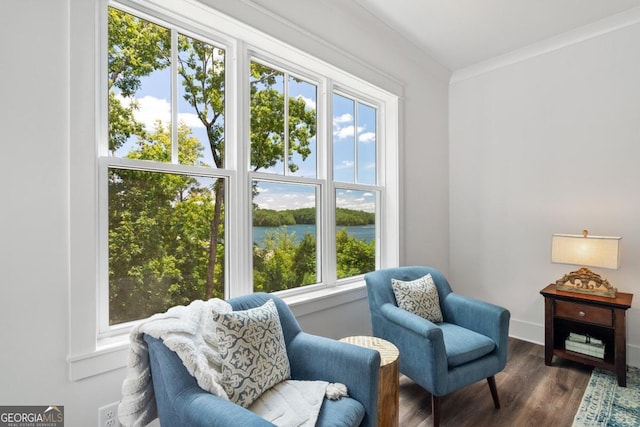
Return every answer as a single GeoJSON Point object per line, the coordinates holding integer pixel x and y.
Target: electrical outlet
{"type": "Point", "coordinates": [108, 415]}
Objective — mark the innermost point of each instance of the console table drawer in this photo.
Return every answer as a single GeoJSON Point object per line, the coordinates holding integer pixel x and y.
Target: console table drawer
{"type": "Point", "coordinates": [584, 313]}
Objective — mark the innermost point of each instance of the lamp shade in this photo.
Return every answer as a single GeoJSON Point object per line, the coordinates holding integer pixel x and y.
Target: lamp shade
{"type": "Point", "coordinates": [589, 251]}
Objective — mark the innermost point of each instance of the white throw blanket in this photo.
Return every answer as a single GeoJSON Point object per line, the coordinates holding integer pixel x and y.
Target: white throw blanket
{"type": "Point", "coordinates": [293, 403]}
{"type": "Point", "coordinates": [190, 332]}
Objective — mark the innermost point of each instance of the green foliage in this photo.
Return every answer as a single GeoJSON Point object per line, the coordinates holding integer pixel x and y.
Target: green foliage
{"type": "Point", "coordinates": [158, 232]}
{"type": "Point", "coordinates": [273, 264]}
{"type": "Point", "coordinates": [304, 215]}
{"type": "Point", "coordinates": [283, 264]}
{"type": "Point", "coordinates": [344, 217]}
{"type": "Point", "coordinates": [347, 217]}
{"type": "Point", "coordinates": [268, 128]}
{"type": "Point", "coordinates": [271, 218]}
{"type": "Point", "coordinates": [201, 67]}
{"type": "Point", "coordinates": [354, 256]}
{"type": "Point", "coordinates": [136, 48]}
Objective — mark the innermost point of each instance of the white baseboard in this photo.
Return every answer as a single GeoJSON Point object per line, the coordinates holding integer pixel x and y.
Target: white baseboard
{"type": "Point", "coordinates": [527, 331]}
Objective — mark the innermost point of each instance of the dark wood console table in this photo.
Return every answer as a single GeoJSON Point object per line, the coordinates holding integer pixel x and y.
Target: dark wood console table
{"type": "Point", "coordinates": [597, 316]}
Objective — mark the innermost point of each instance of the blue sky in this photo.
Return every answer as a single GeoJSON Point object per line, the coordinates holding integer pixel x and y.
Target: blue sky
{"type": "Point", "coordinates": [353, 127]}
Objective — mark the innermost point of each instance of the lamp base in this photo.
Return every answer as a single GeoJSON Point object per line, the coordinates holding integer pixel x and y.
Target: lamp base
{"type": "Point", "coordinates": [585, 281]}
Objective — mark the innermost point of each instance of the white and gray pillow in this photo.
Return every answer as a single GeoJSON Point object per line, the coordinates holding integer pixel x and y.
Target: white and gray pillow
{"type": "Point", "coordinates": [253, 352]}
{"type": "Point", "coordinates": [419, 297]}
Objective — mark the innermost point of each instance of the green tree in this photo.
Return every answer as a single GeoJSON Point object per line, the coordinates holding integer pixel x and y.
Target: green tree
{"type": "Point", "coordinates": [272, 218]}
{"type": "Point", "coordinates": [136, 48]}
{"type": "Point", "coordinates": [276, 261]}
{"type": "Point", "coordinates": [304, 260]}
{"type": "Point", "coordinates": [201, 67]}
{"type": "Point", "coordinates": [157, 256]}
{"type": "Point", "coordinates": [354, 256]}
{"type": "Point", "coordinates": [268, 121]}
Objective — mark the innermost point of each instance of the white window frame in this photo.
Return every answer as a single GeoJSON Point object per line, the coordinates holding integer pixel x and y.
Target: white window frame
{"type": "Point", "coordinates": [106, 161]}
{"type": "Point", "coordinates": [89, 352]}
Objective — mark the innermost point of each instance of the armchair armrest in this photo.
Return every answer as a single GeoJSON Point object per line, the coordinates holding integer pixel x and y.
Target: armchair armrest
{"type": "Point", "coordinates": [313, 357]}
{"type": "Point", "coordinates": [412, 322]}
{"type": "Point", "coordinates": [479, 316]}
{"type": "Point", "coordinates": [198, 408]}
{"type": "Point", "coordinates": [416, 339]}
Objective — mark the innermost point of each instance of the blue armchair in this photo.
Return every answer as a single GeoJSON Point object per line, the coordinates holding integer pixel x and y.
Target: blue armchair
{"type": "Point", "coordinates": [468, 346]}
{"type": "Point", "coordinates": [181, 402]}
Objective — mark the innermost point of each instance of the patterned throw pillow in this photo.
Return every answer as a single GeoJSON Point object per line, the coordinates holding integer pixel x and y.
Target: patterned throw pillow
{"type": "Point", "coordinates": [419, 297]}
{"type": "Point", "coordinates": [253, 352]}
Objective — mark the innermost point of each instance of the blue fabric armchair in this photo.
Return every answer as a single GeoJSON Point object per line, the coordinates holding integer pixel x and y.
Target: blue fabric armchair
{"type": "Point", "coordinates": [182, 403]}
{"type": "Point", "coordinates": [468, 346]}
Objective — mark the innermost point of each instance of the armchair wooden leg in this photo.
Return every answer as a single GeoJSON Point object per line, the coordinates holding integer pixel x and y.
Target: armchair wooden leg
{"type": "Point", "coordinates": [435, 410]}
{"type": "Point", "coordinates": [494, 391]}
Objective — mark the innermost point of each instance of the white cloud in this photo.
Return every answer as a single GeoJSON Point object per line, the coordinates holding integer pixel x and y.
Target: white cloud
{"type": "Point", "coordinates": [310, 103]}
{"type": "Point", "coordinates": [190, 120]}
{"type": "Point", "coordinates": [358, 204]}
{"type": "Point", "coordinates": [367, 137]}
{"type": "Point", "coordinates": [345, 118]}
{"type": "Point", "coordinates": [283, 197]}
{"type": "Point", "coordinates": [151, 109]}
{"type": "Point", "coordinates": [362, 201]}
{"type": "Point", "coordinates": [340, 131]}
{"type": "Point", "coordinates": [343, 132]}
{"type": "Point", "coordinates": [345, 164]}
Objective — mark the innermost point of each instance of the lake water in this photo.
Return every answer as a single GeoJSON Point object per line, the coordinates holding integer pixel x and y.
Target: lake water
{"type": "Point", "coordinates": [360, 232]}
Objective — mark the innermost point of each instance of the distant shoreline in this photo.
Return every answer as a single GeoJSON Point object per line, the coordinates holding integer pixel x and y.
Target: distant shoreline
{"type": "Point", "coordinates": [361, 232]}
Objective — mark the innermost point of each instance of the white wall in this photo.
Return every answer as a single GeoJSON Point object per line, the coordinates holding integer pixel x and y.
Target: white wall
{"type": "Point", "coordinates": [546, 141]}
{"type": "Point", "coordinates": [35, 221]}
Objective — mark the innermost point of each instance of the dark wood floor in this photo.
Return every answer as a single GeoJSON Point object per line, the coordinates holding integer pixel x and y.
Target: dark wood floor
{"type": "Point", "coordinates": [531, 394]}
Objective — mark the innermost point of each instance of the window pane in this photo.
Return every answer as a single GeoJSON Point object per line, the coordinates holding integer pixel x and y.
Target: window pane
{"type": "Point", "coordinates": [139, 80]}
{"type": "Point", "coordinates": [276, 98]}
{"type": "Point", "coordinates": [343, 139]}
{"type": "Point", "coordinates": [162, 251]}
{"type": "Point", "coordinates": [356, 232]}
{"type": "Point", "coordinates": [284, 236]}
{"type": "Point", "coordinates": [201, 94]}
{"type": "Point", "coordinates": [267, 119]}
{"type": "Point", "coordinates": [302, 128]}
{"type": "Point", "coordinates": [366, 144]}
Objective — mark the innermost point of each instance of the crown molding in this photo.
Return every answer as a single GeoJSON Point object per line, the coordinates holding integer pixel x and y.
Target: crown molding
{"type": "Point", "coordinates": [604, 26]}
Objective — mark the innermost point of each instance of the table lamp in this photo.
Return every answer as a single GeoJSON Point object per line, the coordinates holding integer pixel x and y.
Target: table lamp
{"type": "Point", "coordinates": [586, 251]}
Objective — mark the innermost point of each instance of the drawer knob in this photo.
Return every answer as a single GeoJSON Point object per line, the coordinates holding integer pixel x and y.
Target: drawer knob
{"type": "Point", "coordinates": [582, 314]}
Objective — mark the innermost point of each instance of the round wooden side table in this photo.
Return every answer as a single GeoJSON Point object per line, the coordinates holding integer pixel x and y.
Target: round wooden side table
{"type": "Point", "coordinates": [388, 381]}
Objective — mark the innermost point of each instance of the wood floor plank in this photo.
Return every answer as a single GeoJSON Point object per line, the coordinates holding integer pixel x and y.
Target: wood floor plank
{"type": "Point", "coordinates": [531, 394]}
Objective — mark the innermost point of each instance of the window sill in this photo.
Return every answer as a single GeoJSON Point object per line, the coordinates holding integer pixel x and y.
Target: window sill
{"type": "Point", "coordinates": [106, 357]}
{"type": "Point", "coordinates": [322, 299]}
{"type": "Point", "coordinates": [112, 353]}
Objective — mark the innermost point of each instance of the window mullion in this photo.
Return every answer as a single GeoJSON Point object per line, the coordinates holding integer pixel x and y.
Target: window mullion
{"type": "Point", "coordinates": [329, 269]}
{"type": "Point", "coordinates": [285, 125]}
{"type": "Point", "coordinates": [355, 141]}
{"type": "Point", "coordinates": [174, 96]}
{"type": "Point", "coordinates": [237, 131]}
